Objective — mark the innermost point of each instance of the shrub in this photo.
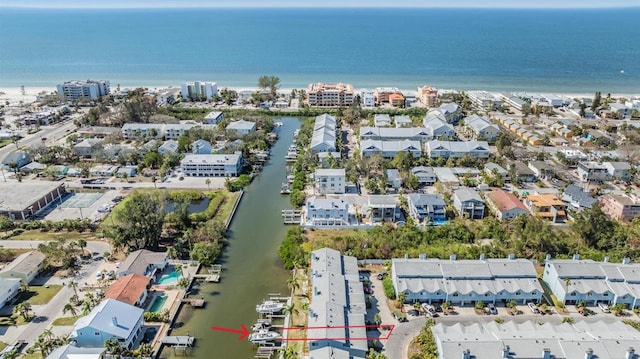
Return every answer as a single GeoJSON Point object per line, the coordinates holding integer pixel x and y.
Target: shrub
{"type": "Point", "coordinates": [389, 291]}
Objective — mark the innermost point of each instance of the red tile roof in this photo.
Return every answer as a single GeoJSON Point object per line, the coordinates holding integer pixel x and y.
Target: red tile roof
{"type": "Point", "coordinates": [128, 289]}
{"type": "Point", "coordinates": [505, 201]}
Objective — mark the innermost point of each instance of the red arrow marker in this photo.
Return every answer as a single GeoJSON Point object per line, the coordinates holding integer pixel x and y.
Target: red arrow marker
{"type": "Point", "coordinates": [243, 332]}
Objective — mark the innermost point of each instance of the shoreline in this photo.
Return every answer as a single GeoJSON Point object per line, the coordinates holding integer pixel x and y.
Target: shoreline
{"type": "Point", "coordinates": [14, 94]}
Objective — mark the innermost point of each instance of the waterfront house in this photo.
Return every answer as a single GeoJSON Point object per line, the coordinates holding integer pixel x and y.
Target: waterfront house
{"type": "Point", "coordinates": [382, 208]}
{"type": "Point", "coordinates": [575, 280]}
{"type": "Point", "coordinates": [201, 147]}
{"type": "Point", "coordinates": [505, 205]}
{"type": "Point", "coordinates": [465, 282]}
{"type": "Point", "coordinates": [426, 176]}
{"type": "Point", "coordinates": [620, 207]}
{"type": "Point", "coordinates": [426, 208]}
{"type": "Point", "coordinates": [169, 96]}
{"type": "Point", "coordinates": [213, 118]}
{"type": "Point", "coordinates": [394, 179]}
{"type": "Point", "coordinates": [9, 288]}
{"type": "Point", "coordinates": [383, 94]}
{"type": "Point", "coordinates": [241, 127]}
{"type": "Point", "coordinates": [329, 181]}
{"type": "Point", "coordinates": [169, 147]}
{"type": "Point", "coordinates": [337, 302]}
{"type": "Point", "coordinates": [69, 351]}
{"type": "Point", "coordinates": [578, 199]}
{"type": "Point", "coordinates": [322, 212]}
{"type": "Point", "coordinates": [144, 262]}
{"type": "Point", "coordinates": [131, 289]}
{"type": "Point", "coordinates": [457, 149]}
{"type": "Point", "coordinates": [546, 206]}
{"type": "Point", "coordinates": [367, 100]}
{"type": "Point", "coordinates": [109, 319]}
{"type": "Point", "coordinates": [468, 203]}
{"type": "Point", "coordinates": [25, 267]}
{"type": "Point", "coordinates": [212, 165]}
{"type": "Point", "coordinates": [322, 94]}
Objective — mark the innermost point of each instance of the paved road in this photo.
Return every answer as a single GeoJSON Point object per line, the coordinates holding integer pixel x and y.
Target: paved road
{"type": "Point", "coordinates": [51, 133]}
{"type": "Point", "coordinates": [93, 246]}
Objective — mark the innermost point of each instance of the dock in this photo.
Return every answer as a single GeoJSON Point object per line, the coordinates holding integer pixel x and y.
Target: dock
{"type": "Point", "coordinates": [291, 216]}
{"type": "Point", "coordinates": [179, 341]}
{"type": "Point", "coordinates": [194, 302]}
{"type": "Point", "coordinates": [213, 274]}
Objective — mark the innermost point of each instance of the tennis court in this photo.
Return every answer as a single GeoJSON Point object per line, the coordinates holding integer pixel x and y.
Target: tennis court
{"type": "Point", "coordinates": [81, 200]}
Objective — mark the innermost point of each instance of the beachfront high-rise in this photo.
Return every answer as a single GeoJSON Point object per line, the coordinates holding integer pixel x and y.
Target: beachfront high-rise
{"type": "Point", "coordinates": [321, 94]}
{"type": "Point", "coordinates": [428, 95]}
{"type": "Point", "coordinates": [76, 90]}
{"type": "Point", "coordinates": [199, 90]}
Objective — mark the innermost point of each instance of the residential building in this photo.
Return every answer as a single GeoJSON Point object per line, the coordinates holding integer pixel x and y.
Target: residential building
{"type": "Point", "coordinates": [523, 172]}
{"type": "Point", "coordinates": [428, 95]}
{"type": "Point", "coordinates": [451, 112]}
{"type": "Point", "coordinates": [402, 121]}
{"type": "Point", "coordinates": [382, 208]}
{"type": "Point", "coordinates": [337, 303]}
{"type": "Point", "coordinates": [482, 128]}
{"type": "Point", "coordinates": [69, 351]}
{"type": "Point", "coordinates": [338, 94]}
{"type": "Point", "coordinates": [13, 161]}
{"type": "Point", "coordinates": [468, 203]}
{"type": "Point", "coordinates": [127, 171]}
{"type": "Point", "coordinates": [382, 94]}
{"type": "Point", "coordinates": [577, 199]}
{"type": "Point", "coordinates": [321, 212]}
{"type": "Point", "coordinates": [457, 149]}
{"type": "Point", "coordinates": [484, 100]}
{"type": "Point", "coordinates": [541, 169]}
{"type": "Point", "coordinates": [619, 170]}
{"type": "Point", "coordinates": [427, 208]}
{"type": "Point", "coordinates": [505, 205]}
{"type": "Point", "coordinates": [438, 129]}
{"type": "Point", "coordinates": [9, 288]}
{"type": "Point", "coordinates": [426, 175]}
{"type": "Point", "coordinates": [170, 146]}
{"type": "Point", "coordinates": [86, 147]}
{"type": "Point", "coordinates": [367, 100]}
{"type": "Point", "coordinates": [213, 118]}
{"type": "Point", "coordinates": [396, 100]}
{"type": "Point", "coordinates": [131, 289]}
{"type": "Point", "coordinates": [532, 339]}
{"type": "Point", "coordinates": [324, 134]}
{"type": "Point", "coordinates": [328, 158]}
{"type": "Point", "coordinates": [546, 206]}
{"type": "Point", "coordinates": [514, 101]}
{"type": "Point", "coordinates": [212, 165]}
{"type": "Point", "coordinates": [197, 90]}
{"type": "Point", "coordinates": [620, 110]}
{"type": "Point", "coordinates": [29, 198]}
{"type": "Point", "coordinates": [169, 131]}
{"type": "Point", "coordinates": [465, 282]}
{"type": "Point", "coordinates": [143, 262]}
{"type": "Point", "coordinates": [109, 319]}
{"type": "Point", "coordinates": [575, 280]}
{"type": "Point", "coordinates": [395, 134]}
{"type": "Point", "coordinates": [329, 181]}
{"type": "Point", "coordinates": [81, 90]}
{"type": "Point", "coordinates": [242, 127]}
{"type": "Point", "coordinates": [201, 147]}
{"type": "Point", "coordinates": [620, 207]}
{"type": "Point", "coordinates": [25, 267]}
{"type": "Point", "coordinates": [394, 180]}
{"type": "Point", "coordinates": [592, 171]}
{"type": "Point", "coordinates": [389, 149]}
{"type": "Point", "coordinates": [494, 169]}
{"type": "Point", "coordinates": [168, 96]}
{"type": "Point", "coordinates": [381, 120]}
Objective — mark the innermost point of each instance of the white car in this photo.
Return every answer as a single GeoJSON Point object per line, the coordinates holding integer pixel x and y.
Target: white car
{"type": "Point", "coordinates": [534, 308]}
{"type": "Point", "coordinates": [99, 275]}
{"type": "Point", "coordinates": [604, 307]}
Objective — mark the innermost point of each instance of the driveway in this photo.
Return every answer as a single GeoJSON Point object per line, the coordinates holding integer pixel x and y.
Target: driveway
{"type": "Point", "coordinates": [92, 246]}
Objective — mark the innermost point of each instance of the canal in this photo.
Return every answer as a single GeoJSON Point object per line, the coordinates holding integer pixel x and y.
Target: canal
{"type": "Point", "coordinates": [251, 266]}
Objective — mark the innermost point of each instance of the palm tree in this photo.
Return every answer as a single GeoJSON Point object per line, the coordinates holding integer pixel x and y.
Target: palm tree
{"type": "Point", "coordinates": [289, 352]}
{"type": "Point", "coordinates": [113, 346]}
{"type": "Point", "coordinates": [293, 284]}
{"type": "Point", "coordinates": [74, 285]}
{"type": "Point", "coordinates": [208, 183]}
{"type": "Point", "coordinates": [23, 309]}
{"type": "Point", "coordinates": [12, 354]}
{"type": "Point", "coordinates": [145, 350]}
{"type": "Point", "coordinates": [291, 310]}
{"type": "Point", "coordinates": [82, 244]}
{"type": "Point", "coordinates": [154, 179]}
{"type": "Point", "coordinates": [47, 334]}
{"type": "Point", "coordinates": [71, 309]}
{"type": "Point", "coordinates": [86, 307]}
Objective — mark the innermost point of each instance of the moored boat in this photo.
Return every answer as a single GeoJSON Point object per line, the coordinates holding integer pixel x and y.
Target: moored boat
{"type": "Point", "coordinates": [269, 307]}
{"type": "Point", "coordinates": [264, 336]}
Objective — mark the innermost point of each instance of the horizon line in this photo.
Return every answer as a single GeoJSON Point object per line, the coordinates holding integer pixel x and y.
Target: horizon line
{"type": "Point", "coordinates": [314, 6]}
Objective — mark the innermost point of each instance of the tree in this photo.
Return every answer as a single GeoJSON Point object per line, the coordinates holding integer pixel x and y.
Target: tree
{"type": "Point", "coordinates": [73, 285]}
{"type": "Point", "coordinates": [269, 82]}
{"type": "Point", "coordinates": [140, 221]}
{"type": "Point", "coordinates": [293, 284]}
{"type": "Point", "coordinates": [205, 253]}
{"type": "Point", "coordinates": [23, 309]}
{"type": "Point", "coordinates": [82, 244]}
{"type": "Point", "coordinates": [69, 308]}
{"type": "Point", "coordinates": [479, 305]}
{"type": "Point", "coordinates": [377, 318]}
{"type": "Point", "coordinates": [291, 310]}
{"type": "Point", "coordinates": [594, 227]}
{"type": "Point", "coordinates": [208, 183]}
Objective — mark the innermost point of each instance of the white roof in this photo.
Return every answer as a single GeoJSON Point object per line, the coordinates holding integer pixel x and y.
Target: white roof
{"type": "Point", "coordinates": [241, 125]}
{"type": "Point", "coordinates": [102, 317]}
{"type": "Point", "coordinates": [227, 159]}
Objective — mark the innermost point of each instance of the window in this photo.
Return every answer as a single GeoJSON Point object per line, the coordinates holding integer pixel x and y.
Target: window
{"type": "Point", "coordinates": [455, 294]}
{"type": "Point", "coordinates": [96, 333]}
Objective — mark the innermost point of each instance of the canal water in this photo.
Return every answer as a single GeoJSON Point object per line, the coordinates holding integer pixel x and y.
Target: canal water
{"type": "Point", "coordinates": [251, 266]}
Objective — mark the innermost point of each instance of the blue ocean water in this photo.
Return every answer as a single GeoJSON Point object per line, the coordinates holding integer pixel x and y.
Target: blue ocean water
{"type": "Point", "coordinates": [534, 50]}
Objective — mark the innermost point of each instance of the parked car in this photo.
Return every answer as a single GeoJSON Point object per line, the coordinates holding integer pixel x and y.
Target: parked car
{"type": "Point", "coordinates": [534, 308]}
{"type": "Point", "coordinates": [429, 310]}
{"type": "Point", "coordinates": [99, 275]}
{"type": "Point", "coordinates": [604, 307]}
{"type": "Point", "coordinates": [492, 309]}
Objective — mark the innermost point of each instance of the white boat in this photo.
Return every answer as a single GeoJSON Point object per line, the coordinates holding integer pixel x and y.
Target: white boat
{"type": "Point", "coordinates": [261, 324]}
{"type": "Point", "coordinates": [269, 307]}
{"type": "Point", "coordinates": [263, 336]}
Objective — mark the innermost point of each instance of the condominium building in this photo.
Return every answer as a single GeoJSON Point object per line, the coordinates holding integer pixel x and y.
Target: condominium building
{"type": "Point", "coordinates": [428, 95]}
{"type": "Point", "coordinates": [217, 165]}
{"type": "Point", "coordinates": [199, 89]}
{"type": "Point", "coordinates": [77, 90]}
{"type": "Point", "coordinates": [321, 94]}
{"type": "Point", "coordinates": [323, 212]}
{"type": "Point", "coordinates": [330, 181]}
{"type": "Point", "coordinates": [382, 94]}
{"type": "Point", "coordinates": [620, 207]}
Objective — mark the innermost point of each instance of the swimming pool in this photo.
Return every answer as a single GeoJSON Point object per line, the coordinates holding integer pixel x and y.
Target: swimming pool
{"type": "Point", "coordinates": [157, 303]}
{"type": "Point", "coordinates": [169, 279]}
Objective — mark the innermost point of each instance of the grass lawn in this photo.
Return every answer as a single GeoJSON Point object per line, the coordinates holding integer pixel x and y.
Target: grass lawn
{"type": "Point", "coordinates": [39, 295]}
{"type": "Point", "coordinates": [36, 234]}
{"type": "Point", "coordinates": [35, 355]}
{"type": "Point", "coordinates": [225, 210]}
{"type": "Point", "coordinates": [65, 321]}
{"type": "Point", "coordinates": [3, 345]}
{"type": "Point", "coordinates": [12, 320]}
{"type": "Point", "coordinates": [2, 144]}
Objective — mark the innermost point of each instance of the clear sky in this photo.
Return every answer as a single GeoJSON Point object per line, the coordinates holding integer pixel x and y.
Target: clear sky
{"type": "Point", "coordinates": [319, 3]}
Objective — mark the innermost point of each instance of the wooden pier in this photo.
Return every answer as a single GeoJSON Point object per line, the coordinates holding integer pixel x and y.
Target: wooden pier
{"type": "Point", "coordinates": [291, 216]}
{"type": "Point", "coordinates": [194, 302]}
{"type": "Point", "coordinates": [266, 351]}
{"type": "Point", "coordinates": [213, 274]}
{"type": "Point", "coordinates": [178, 341]}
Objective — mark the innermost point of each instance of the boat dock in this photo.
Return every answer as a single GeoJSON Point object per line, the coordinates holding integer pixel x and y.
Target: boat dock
{"type": "Point", "coordinates": [194, 302]}
{"type": "Point", "coordinates": [266, 351]}
{"type": "Point", "coordinates": [179, 341]}
{"type": "Point", "coordinates": [213, 274]}
{"type": "Point", "coordinates": [291, 216]}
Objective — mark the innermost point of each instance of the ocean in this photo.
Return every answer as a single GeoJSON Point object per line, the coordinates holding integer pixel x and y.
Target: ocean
{"type": "Point", "coordinates": [516, 50]}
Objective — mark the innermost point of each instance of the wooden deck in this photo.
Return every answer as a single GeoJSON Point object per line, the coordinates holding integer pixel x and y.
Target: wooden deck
{"type": "Point", "coordinates": [194, 302]}
{"type": "Point", "coordinates": [180, 341]}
